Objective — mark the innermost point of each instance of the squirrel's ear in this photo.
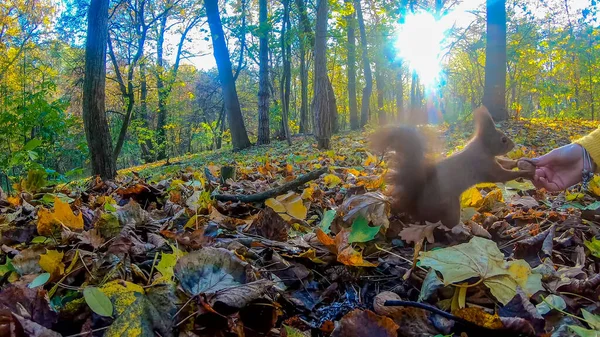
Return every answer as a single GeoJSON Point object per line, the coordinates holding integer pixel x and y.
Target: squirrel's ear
{"type": "Point", "coordinates": [483, 119]}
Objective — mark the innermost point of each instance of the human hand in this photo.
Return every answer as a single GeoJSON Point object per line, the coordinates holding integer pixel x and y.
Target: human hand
{"type": "Point", "coordinates": [560, 168]}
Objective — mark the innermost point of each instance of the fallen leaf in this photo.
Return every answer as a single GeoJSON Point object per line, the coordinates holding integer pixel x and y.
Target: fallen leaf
{"type": "Point", "coordinates": [98, 301]}
{"type": "Point", "coordinates": [328, 217]}
{"type": "Point", "coordinates": [62, 215]}
{"type": "Point", "coordinates": [481, 258]}
{"type": "Point", "coordinates": [166, 265]}
{"type": "Point", "coordinates": [360, 323]}
{"type": "Point", "coordinates": [240, 296]}
{"type": "Point", "coordinates": [480, 317]}
{"type": "Point", "coordinates": [525, 201]}
{"type": "Point", "coordinates": [416, 233]}
{"type": "Point", "coordinates": [593, 246]}
{"type": "Point", "coordinates": [52, 262]}
{"type": "Point", "coordinates": [373, 206]}
{"type": "Point", "coordinates": [270, 225]}
{"type": "Point", "coordinates": [209, 270]}
{"type": "Point", "coordinates": [549, 303]}
{"type": "Point", "coordinates": [361, 231]}
{"type": "Point", "coordinates": [331, 180]}
{"type": "Point", "coordinates": [471, 198]}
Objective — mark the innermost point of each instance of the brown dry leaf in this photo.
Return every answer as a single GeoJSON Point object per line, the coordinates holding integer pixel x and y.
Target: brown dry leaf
{"type": "Point", "coordinates": [227, 221]}
{"type": "Point", "coordinates": [414, 321]}
{"type": "Point", "coordinates": [270, 225]}
{"type": "Point", "coordinates": [480, 317]}
{"type": "Point", "coordinates": [525, 201]}
{"type": "Point", "coordinates": [31, 302]}
{"type": "Point", "coordinates": [344, 251]}
{"type": "Point", "coordinates": [416, 233]}
{"type": "Point", "coordinates": [373, 206]}
{"type": "Point", "coordinates": [359, 323]}
{"type": "Point", "coordinates": [62, 215]}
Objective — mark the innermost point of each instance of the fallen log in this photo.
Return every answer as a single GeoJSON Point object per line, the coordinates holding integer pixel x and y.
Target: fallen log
{"type": "Point", "coordinates": [301, 180]}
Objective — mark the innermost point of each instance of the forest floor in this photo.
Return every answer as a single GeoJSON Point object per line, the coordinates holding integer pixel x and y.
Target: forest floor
{"type": "Point", "coordinates": [155, 253]}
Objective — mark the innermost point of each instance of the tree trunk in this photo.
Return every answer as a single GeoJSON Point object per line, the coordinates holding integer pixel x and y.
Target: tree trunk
{"type": "Point", "coordinates": [495, 60]}
{"type": "Point", "coordinates": [286, 78]}
{"type": "Point", "coordinates": [239, 136]}
{"type": "Point", "coordinates": [366, 97]}
{"type": "Point", "coordinates": [380, 87]}
{"type": "Point", "coordinates": [263, 90]}
{"type": "Point", "coordinates": [400, 116]}
{"type": "Point", "coordinates": [306, 40]}
{"type": "Point", "coordinates": [321, 104]}
{"type": "Point", "coordinates": [145, 144]}
{"type": "Point", "coordinates": [161, 120]}
{"type": "Point", "coordinates": [351, 57]}
{"type": "Point", "coordinates": [94, 115]}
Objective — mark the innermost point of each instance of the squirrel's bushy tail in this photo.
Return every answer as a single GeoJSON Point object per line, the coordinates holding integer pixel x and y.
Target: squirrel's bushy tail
{"type": "Point", "coordinates": [409, 167]}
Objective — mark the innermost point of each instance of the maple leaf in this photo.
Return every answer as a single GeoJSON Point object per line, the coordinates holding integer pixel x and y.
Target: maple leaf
{"type": "Point", "coordinates": [62, 215]}
{"type": "Point", "coordinates": [482, 258]}
{"type": "Point", "coordinates": [373, 206]}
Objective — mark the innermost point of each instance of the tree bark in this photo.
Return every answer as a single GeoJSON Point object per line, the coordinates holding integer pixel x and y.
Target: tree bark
{"type": "Point", "coordinates": [351, 57]}
{"type": "Point", "coordinates": [400, 117]}
{"type": "Point", "coordinates": [368, 89]}
{"type": "Point", "coordinates": [306, 40]}
{"type": "Point", "coordinates": [495, 60]}
{"type": "Point", "coordinates": [239, 136]}
{"type": "Point", "coordinates": [380, 87]}
{"type": "Point", "coordinates": [263, 90]}
{"type": "Point", "coordinates": [161, 120]}
{"type": "Point", "coordinates": [145, 144]}
{"type": "Point", "coordinates": [321, 103]}
{"type": "Point", "coordinates": [286, 78]}
{"type": "Point", "coordinates": [94, 114]}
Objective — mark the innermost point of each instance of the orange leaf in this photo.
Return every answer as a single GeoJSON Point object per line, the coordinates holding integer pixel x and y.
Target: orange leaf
{"type": "Point", "coordinates": [62, 215]}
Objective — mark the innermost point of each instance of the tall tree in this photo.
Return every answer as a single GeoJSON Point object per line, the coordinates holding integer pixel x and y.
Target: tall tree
{"type": "Point", "coordinates": [165, 78]}
{"type": "Point", "coordinates": [306, 41]}
{"type": "Point", "coordinates": [400, 115]}
{"type": "Point", "coordinates": [239, 136]}
{"type": "Point", "coordinates": [368, 89]}
{"type": "Point", "coordinates": [263, 84]}
{"type": "Point", "coordinates": [94, 82]}
{"type": "Point", "coordinates": [321, 104]}
{"type": "Point", "coordinates": [286, 78]}
{"type": "Point", "coordinates": [494, 93]}
{"type": "Point", "coordinates": [351, 58]}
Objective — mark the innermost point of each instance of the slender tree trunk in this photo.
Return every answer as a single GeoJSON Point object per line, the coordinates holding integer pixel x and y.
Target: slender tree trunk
{"type": "Point", "coordinates": [286, 79]}
{"type": "Point", "coordinates": [351, 57]}
{"type": "Point", "coordinates": [380, 87]}
{"type": "Point", "coordinates": [161, 120]}
{"type": "Point", "coordinates": [263, 90]}
{"type": "Point", "coordinates": [400, 115]}
{"type": "Point", "coordinates": [495, 60]}
{"type": "Point", "coordinates": [239, 136]}
{"type": "Point", "coordinates": [145, 144]}
{"type": "Point", "coordinates": [94, 114]}
{"type": "Point", "coordinates": [368, 89]}
{"type": "Point", "coordinates": [306, 40]}
{"type": "Point", "coordinates": [321, 103]}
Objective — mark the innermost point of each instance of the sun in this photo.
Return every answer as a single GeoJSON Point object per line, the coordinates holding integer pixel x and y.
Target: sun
{"type": "Point", "coordinates": [419, 43]}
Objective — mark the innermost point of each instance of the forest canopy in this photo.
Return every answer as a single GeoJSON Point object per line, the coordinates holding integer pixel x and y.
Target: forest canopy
{"type": "Point", "coordinates": [386, 61]}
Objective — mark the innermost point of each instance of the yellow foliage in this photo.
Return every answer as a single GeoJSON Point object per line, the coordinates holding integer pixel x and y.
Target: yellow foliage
{"type": "Point", "coordinates": [471, 198]}
{"type": "Point", "coordinates": [62, 215]}
{"type": "Point", "coordinates": [52, 262]}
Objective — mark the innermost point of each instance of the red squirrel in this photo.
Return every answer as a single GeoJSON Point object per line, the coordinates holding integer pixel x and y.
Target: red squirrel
{"type": "Point", "coordinates": [431, 191]}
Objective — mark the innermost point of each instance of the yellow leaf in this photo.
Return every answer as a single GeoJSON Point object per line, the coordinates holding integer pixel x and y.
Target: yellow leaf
{"type": "Point", "coordinates": [52, 262]}
{"type": "Point", "coordinates": [486, 185]}
{"type": "Point", "coordinates": [331, 180]}
{"type": "Point", "coordinates": [354, 172]}
{"type": "Point", "coordinates": [62, 215]}
{"type": "Point", "coordinates": [491, 199]}
{"type": "Point", "coordinates": [46, 222]}
{"type": "Point", "coordinates": [371, 159]}
{"type": "Point", "coordinates": [275, 205]}
{"type": "Point", "coordinates": [471, 198]}
{"type": "Point", "coordinates": [595, 185]}
{"type": "Point", "coordinates": [308, 192]}
{"type": "Point", "coordinates": [14, 201]}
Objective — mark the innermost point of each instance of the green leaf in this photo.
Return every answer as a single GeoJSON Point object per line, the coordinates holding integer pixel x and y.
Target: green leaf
{"type": "Point", "coordinates": [5, 268]}
{"type": "Point", "coordinates": [39, 281]}
{"type": "Point", "coordinates": [32, 144]}
{"type": "Point", "coordinates": [554, 301]}
{"type": "Point", "coordinates": [327, 220]}
{"type": "Point", "coordinates": [40, 239]}
{"type": "Point", "coordinates": [584, 332]}
{"type": "Point", "coordinates": [98, 301]}
{"type": "Point", "coordinates": [481, 258]}
{"type": "Point", "coordinates": [361, 231]}
{"type": "Point", "coordinates": [166, 265]}
{"type": "Point", "coordinates": [591, 319]}
{"type": "Point", "coordinates": [593, 246]}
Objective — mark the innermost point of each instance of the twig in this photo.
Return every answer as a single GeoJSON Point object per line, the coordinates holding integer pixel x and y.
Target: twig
{"type": "Point", "coordinates": [88, 332]}
{"type": "Point", "coordinates": [301, 180]}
